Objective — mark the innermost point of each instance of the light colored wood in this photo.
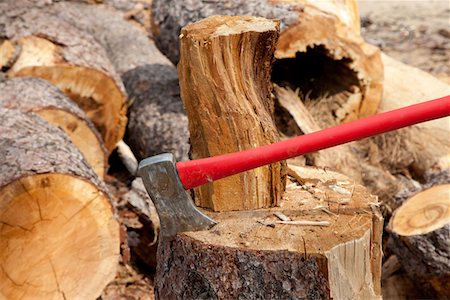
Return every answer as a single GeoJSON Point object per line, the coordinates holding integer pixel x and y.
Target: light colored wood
{"type": "Point", "coordinates": [405, 85]}
{"type": "Point", "coordinates": [73, 61]}
{"type": "Point", "coordinates": [339, 261]}
{"type": "Point", "coordinates": [8, 53]}
{"type": "Point", "coordinates": [59, 238]}
{"type": "Point", "coordinates": [419, 231]}
{"type": "Point", "coordinates": [34, 95]}
{"type": "Point", "coordinates": [224, 75]}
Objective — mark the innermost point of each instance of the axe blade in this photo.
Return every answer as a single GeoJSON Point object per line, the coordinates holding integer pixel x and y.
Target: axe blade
{"type": "Point", "coordinates": [176, 210]}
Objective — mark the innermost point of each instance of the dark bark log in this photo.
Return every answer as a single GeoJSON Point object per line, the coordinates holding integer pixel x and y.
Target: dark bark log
{"type": "Point", "coordinates": [73, 61]}
{"type": "Point", "coordinates": [34, 95]}
{"type": "Point", "coordinates": [157, 120]}
{"type": "Point", "coordinates": [58, 234]}
{"type": "Point", "coordinates": [420, 231]}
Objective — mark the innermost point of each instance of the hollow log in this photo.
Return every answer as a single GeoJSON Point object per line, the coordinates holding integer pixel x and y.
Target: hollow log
{"type": "Point", "coordinates": [157, 120]}
{"type": "Point", "coordinates": [34, 95]}
{"type": "Point", "coordinates": [73, 61]}
{"type": "Point", "coordinates": [317, 51]}
{"type": "Point", "coordinates": [249, 255]}
{"type": "Point", "coordinates": [419, 231]}
{"type": "Point", "coordinates": [224, 75]}
{"type": "Point", "coordinates": [58, 234]}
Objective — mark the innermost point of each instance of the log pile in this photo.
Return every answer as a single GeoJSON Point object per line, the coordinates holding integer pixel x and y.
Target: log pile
{"type": "Point", "coordinates": [80, 81]}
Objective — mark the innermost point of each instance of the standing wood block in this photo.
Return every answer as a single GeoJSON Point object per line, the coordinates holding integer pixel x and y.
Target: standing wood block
{"type": "Point", "coordinates": [157, 120]}
{"type": "Point", "coordinates": [73, 61]}
{"type": "Point", "coordinates": [420, 231]}
{"type": "Point", "coordinates": [317, 52]}
{"type": "Point", "coordinates": [34, 95]}
{"type": "Point", "coordinates": [250, 255]}
{"type": "Point", "coordinates": [224, 75]}
{"type": "Point", "coordinates": [59, 238]}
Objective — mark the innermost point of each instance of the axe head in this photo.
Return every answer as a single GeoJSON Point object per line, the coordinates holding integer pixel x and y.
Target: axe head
{"type": "Point", "coordinates": [176, 210]}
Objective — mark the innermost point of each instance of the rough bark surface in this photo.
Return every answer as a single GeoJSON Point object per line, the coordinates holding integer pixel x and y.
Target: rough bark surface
{"type": "Point", "coordinates": [70, 59]}
{"type": "Point", "coordinates": [225, 85]}
{"type": "Point", "coordinates": [249, 255]}
{"type": "Point", "coordinates": [157, 120]}
{"type": "Point", "coordinates": [313, 43]}
{"type": "Point", "coordinates": [35, 95]}
{"type": "Point", "coordinates": [49, 196]}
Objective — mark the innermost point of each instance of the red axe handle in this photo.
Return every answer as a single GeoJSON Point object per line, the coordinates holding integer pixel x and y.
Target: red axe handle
{"type": "Point", "coordinates": [195, 173]}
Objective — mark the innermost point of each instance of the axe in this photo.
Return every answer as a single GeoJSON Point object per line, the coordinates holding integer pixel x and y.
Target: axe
{"type": "Point", "coordinates": [166, 180]}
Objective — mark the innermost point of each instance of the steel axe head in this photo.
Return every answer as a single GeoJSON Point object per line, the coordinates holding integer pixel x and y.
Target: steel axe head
{"type": "Point", "coordinates": [176, 210]}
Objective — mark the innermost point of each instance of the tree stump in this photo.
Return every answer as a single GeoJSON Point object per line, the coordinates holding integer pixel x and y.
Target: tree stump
{"type": "Point", "coordinates": [420, 231]}
{"type": "Point", "coordinates": [327, 241]}
{"type": "Point", "coordinates": [34, 95]}
{"type": "Point", "coordinates": [224, 75]}
{"type": "Point", "coordinates": [157, 120]}
{"type": "Point", "coordinates": [58, 234]}
{"type": "Point", "coordinates": [73, 61]}
{"type": "Point", "coordinates": [319, 50]}
{"type": "Point", "coordinates": [250, 255]}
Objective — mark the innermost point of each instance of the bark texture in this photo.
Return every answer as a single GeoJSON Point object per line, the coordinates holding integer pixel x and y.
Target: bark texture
{"type": "Point", "coordinates": [73, 61]}
{"type": "Point", "coordinates": [35, 95]}
{"type": "Point", "coordinates": [249, 255]}
{"type": "Point", "coordinates": [224, 78]}
{"type": "Point", "coordinates": [316, 42]}
{"type": "Point", "coordinates": [58, 234]}
{"type": "Point", "coordinates": [420, 231]}
{"type": "Point", "coordinates": [157, 120]}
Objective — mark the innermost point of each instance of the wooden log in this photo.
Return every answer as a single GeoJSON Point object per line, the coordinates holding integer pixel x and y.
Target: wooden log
{"type": "Point", "coordinates": [58, 234]}
{"type": "Point", "coordinates": [157, 120]}
{"type": "Point", "coordinates": [224, 75]}
{"type": "Point", "coordinates": [316, 52]}
{"type": "Point", "coordinates": [420, 231]}
{"type": "Point", "coordinates": [73, 61]}
{"type": "Point", "coordinates": [249, 255]}
{"type": "Point", "coordinates": [34, 95]}
{"type": "Point", "coordinates": [427, 143]}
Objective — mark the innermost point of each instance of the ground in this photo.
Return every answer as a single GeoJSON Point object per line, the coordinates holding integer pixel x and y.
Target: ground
{"type": "Point", "coordinates": [414, 32]}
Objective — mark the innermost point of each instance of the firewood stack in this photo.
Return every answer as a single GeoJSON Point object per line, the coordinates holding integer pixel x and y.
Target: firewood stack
{"type": "Point", "coordinates": [81, 80]}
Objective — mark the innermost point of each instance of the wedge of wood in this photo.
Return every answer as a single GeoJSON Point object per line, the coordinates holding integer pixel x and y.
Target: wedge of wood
{"type": "Point", "coordinates": [58, 234]}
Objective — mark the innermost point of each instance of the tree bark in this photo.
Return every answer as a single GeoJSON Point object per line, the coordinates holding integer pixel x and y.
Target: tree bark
{"type": "Point", "coordinates": [58, 234]}
{"type": "Point", "coordinates": [224, 78]}
{"type": "Point", "coordinates": [315, 42]}
{"type": "Point", "coordinates": [71, 60]}
{"type": "Point", "coordinates": [248, 255]}
{"type": "Point", "coordinates": [420, 231]}
{"type": "Point", "coordinates": [38, 96]}
{"type": "Point", "coordinates": [157, 120]}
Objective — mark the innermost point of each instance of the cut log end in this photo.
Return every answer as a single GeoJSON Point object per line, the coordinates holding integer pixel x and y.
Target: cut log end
{"type": "Point", "coordinates": [425, 212]}
{"type": "Point", "coordinates": [336, 255]}
{"type": "Point", "coordinates": [37, 215]}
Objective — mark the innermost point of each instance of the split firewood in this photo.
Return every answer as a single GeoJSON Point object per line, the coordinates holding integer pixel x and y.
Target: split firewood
{"type": "Point", "coordinates": [224, 79]}
{"type": "Point", "coordinates": [58, 234]}
{"type": "Point", "coordinates": [157, 120]}
{"type": "Point", "coordinates": [35, 95]}
{"type": "Point", "coordinates": [329, 245]}
{"type": "Point", "coordinates": [73, 61]}
{"type": "Point", "coordinates": [317, 51]}
{"type": "Point", "coordinates": [420, 231]}
{"type": "Point", "coordinates": [249, 255]}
